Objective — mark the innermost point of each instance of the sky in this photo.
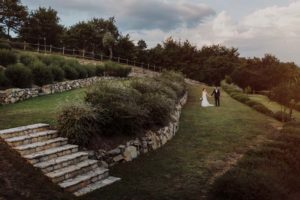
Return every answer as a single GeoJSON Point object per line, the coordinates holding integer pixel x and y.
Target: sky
{"type": "Point", "coordinates": [254, 27]}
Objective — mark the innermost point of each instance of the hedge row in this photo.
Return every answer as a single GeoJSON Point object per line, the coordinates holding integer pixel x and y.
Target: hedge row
{"type": "Point", "coordinates": [122, 108]}
{"type": "Point", "coordinates": [238, 95]}
{"type": "Point", "coordinates": [270, 172]}
{"type": "Point", "coordinates": [23, 70]}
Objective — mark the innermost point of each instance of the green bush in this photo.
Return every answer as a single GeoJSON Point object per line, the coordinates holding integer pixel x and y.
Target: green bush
{"type": "Point", "coordinates": [7, 57]}
{"type": "Point", "coordinates": [19, 75]}
{"type": "Point", "coordinates": [122, 104]}
{"type": "Point", "coordinates": [282, 116]}
{"type": "Point", "coordinates": [228, 79]}
{"type": "Point", "coordinates": [42, 74]}
{"type": "Point", "coordinates": [248, 90]}
{"type": "Point", "coordinates": [81, 70]}
{"type": "Point", "coordinates": [52, 60]}
{"type": "Point", "coordinates": [117, 70]}
{"type": "Point", "coordinates": [4, 82]}
{"type": "Point", "coordinates": [263, 109]}
{"type": "Point", "coordinates": [251, 103]}
{"type": "Point", "coordinates": [100, 70]}
{"type": "Point", "coordinates": [78, 123]}
{"type": "Point", "coordinates": [57, 72]}
{"type": "Point", "coordinates": [159, 108]}
{"type": "Point", "coordinates": [70, 72]}
{"type": "Point", "coordinates": [90, 69]}
{"type": "Point", "coordinates": [28, 59]}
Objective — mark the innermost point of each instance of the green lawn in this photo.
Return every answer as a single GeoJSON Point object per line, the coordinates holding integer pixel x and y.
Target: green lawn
{"type": "Point", "coordinates": [42, 109]}
{"type": "Point", "coordinates": [207, 139]}
{"type": "Point", "coordinates": [272, 105]}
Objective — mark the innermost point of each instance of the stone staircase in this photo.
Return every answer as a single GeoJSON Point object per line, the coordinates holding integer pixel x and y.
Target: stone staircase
{"type": "Point", "coordinates": [58, 160]}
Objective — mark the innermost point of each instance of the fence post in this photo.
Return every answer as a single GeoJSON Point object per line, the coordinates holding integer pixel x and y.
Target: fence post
{"type": "Point", "coordinates": [50, 48]}
{"type": "Point", "coordinates": [24, 46]}
{"type": "Point", "coordinates": [118, 59]}
{"type": "Point", "coordinates": [83, 52]}
{"type": "Point", "coordinates": [127, 61]}
{"type": "Point", "coordinates": [148, 66]}
{"type": "Point", "coordinates": [38, 48]}
{"type": "Point", "coordinates": [134, 63]}
{"type": "Point", "coordinates": [101, 57]}
{"type": "Point", "coordinates": [63, 50]}
{"type": "Point", "coordinates": [73, 52]}
{"type": "Point", "coordinates": [154, 67]}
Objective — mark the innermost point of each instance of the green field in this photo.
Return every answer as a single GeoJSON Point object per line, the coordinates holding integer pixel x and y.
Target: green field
{"type": "Point", "coordinates": [209, 140]}
{"type": "Point", "coordinates": [42, 109]}
{"type": "Point", "coordinates": [272, 105]}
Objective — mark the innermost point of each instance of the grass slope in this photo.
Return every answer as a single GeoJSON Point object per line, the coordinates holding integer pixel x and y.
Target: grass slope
{"type": "Point", "coordinates": [207, 139]}
{"type": "Point", "coordinates": [272, 105]}
{"type": "Point", "coordinates": [37, 110]}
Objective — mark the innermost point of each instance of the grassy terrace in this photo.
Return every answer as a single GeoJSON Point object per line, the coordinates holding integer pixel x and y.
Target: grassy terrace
{"type": "Point", "coordinates": [207, 142]}
{"type": "Point", "coordinates": [274, 106]}
{"type": "Point", "coordinates": [40, 109]}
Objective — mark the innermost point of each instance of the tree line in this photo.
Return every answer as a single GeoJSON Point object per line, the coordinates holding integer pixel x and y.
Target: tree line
{"type": "Point", "coordinates": [209, 64]}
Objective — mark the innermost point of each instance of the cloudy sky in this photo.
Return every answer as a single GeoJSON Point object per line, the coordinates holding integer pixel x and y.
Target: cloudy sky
{"type": "Point", "coordinates": [255, 27]}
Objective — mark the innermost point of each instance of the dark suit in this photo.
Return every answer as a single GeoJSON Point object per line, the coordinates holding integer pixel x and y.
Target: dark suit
{"type": "Point", "coordinates": [216, 93]}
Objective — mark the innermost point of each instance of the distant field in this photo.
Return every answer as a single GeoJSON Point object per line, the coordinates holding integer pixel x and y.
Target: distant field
{"type": "Point", "coordinates": [42, 109]}
{"type": "Point", "coordinates": [275, 107]}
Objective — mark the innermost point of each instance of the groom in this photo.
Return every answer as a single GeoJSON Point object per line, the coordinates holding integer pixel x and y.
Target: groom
{"type": "Point", "coordinates": [216, 93]}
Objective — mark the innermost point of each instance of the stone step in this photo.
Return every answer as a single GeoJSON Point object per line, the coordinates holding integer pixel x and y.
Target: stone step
{"type": "Point", "coordinates": [81, 181]}
{"type": "Point", "coordinates": [48, 154]}
{"type": "Point", "coordinates": [31, 138]}
{"type": "Point", "coordinates": [97, 185]}
{"type": "Point", "coordinates": [73, 170]}
{"type": "Point", "coordinates": [23, 130]}
{"type": "Point", "coordinates": [61, 162]}
{"type": "Point", "coordinates": [40, 146]}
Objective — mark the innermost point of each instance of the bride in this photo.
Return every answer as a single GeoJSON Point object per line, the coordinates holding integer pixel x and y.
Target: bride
{"type": "Point", "coordinates": [204, 101]}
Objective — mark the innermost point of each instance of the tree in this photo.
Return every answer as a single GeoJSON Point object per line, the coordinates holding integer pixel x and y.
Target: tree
{"type": "Point", "coordinates": [142, 45]}
{"type": "Point", "coordinates": [125, 47]}
{"type": "Point", "coordinates": [12, 15]}
{"type": "Point", "coordinates": [42, 23]}
{"type": "Point", "coordinates": [109, 41]}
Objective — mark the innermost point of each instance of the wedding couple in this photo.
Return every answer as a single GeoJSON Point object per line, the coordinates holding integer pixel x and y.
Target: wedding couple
{"type": "Point", "coordinates": [216, 93]}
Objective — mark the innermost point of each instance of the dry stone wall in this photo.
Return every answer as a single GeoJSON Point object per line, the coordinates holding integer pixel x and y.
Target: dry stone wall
{"type": "Point", "coordinates": [151, 141]}
{"type": "Point", "coordinates": [15, 94]}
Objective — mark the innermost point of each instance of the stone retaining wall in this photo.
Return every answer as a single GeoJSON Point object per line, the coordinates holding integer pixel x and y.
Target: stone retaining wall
{"type": "Point", "coordinates": [15, 94]}
{"type": "Point", "coordinates": [151, 141]}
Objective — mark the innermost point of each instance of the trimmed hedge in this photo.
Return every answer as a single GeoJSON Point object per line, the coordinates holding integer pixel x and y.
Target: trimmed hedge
{"type": "Point", "coordinates": [42, 75]}
{"type": "Point", "coordinates": [19, 75]}
{"type": "Point", "coordinates": [243, 98]}
{"type": "Point", "coordinates": [57, 72]}
{"type": "Point", "coordinates": [28, 59]}
{"type": "Point", "coordinates": [114, 69]}
{"type": "Point", "coordinates": [7, 57]}
{"type": "Point", "coordinates": [4, 82]}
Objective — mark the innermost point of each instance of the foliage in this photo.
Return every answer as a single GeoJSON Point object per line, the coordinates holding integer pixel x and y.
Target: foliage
{"type": "Point", "coordinates": [77, 123]}
{"type": "Point", "coordinates": [70, 72]}
{"type": "Point", "coordinates": [109, 41]}
{"type": "Point", "coordinates": [19, 75]}
{"type": "Point", "coordinates": [228, 79]}
{"type": "Point", "coordinates": [263, 109]}
{"type": "Point", "coordinates": [81, 70]}
{"type": "Point", "coordinates": [7, 57]}
{"type": "Point", "coordinates": [100, 69]}
{"type": "Point", "coordinates": [13, 15]}
{"type": "Point", "coordinates": [90, 70]}
{"type": "Point", "coordinates": [248, 90]}
{"type": "Point", "coordinates": [269, 172]}
{"type": "Point", "coordinates": [57, 72]}
{"type": "Point", "coordinates": [27, 59]}
{"type": "Point", "coordinates": [4, 82]}
{"type": "Point", "coordinates": [42, 74]}
{"type": "Point", "coordinates": [42, 23]}
{"type": "Point", "coordinates": [114, 69]}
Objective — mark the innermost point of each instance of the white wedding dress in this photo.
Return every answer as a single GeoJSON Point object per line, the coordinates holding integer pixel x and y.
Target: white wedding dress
{"type": "Point", "coordinates": [204, 102]}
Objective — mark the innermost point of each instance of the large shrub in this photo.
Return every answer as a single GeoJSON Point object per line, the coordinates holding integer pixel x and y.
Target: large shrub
{"type": "Point", "coordinates": [4, 82]}
{"type": "Point", "coordinates": [7, 57]}
{"type": "Point", "coordinates": [159, 108]}
{"type": "Point", "coordinates": [19, 75]}
{"type": "Point", "coordinates": [263, 109]}
{"type": "Point", "coordinates": [57, 72]}
{"type": "Point", "coordinates": [122, 104]}
{"type": "Point", "coordinates": [28, 59]}
{"type": "Point", "coordinates": [70, 72]}
{"type": "Point", "coordinates": [78, 123]}
{"type": "Point", "coordinates": [100, 69]}
{"type": "Point", "coordinates": [90, 69]}
{"type": "Point", "coordinates": [42, 74]}
{"type": "Point", "coordinates": [282, 116]}
{"type": "Point", "coordinates": [81, 70]}
{"type": "Point", "coordinates": [52, 60]}
{"type": "Point", "coordinates": [114, 69]}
